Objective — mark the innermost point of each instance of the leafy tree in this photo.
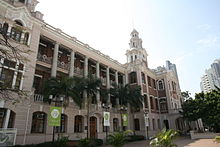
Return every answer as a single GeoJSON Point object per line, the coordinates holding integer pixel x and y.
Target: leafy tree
{"type": "Point", "coordinates": [186, 95]}
{"type": "Point", "coordinates": [205, 106]}
{"type": "Point", "coordinates": [164, 139]}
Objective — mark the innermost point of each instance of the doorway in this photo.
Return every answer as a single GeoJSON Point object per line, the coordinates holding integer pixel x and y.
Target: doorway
{"type": "Point", "coordinates": [93, 127]}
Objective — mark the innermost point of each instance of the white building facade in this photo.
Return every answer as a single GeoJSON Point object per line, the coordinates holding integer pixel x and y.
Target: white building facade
{"type": "Point", "coordinates": [56, 54]}
{"type": "Point", "coordinates": [211, 78]}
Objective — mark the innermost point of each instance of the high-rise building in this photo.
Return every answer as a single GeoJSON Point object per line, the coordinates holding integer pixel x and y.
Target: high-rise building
{"type": "Point", "coordinates": [211, 78]}
{"type": "Point", "coordinates": [56, 54]}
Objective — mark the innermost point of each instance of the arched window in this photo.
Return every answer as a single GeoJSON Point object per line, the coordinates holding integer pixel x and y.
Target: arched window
{"type": "Point", "coordinates": [145, 101]}
{"type": "Point", "coordinates": [78, 126]}
{"type": "Point", "coordinates": [3, 113]}
{"type": "Point", "coordinates": [151, 103]}
{"type": "Point", "coordinates": [133, 77]}
{"type": "Point", "coordinates": [115, 124]}
{"type": "Point", "coordinates": [22, 1]}
{"type": "Point", "coordinates": [16, 31]}
{"type": "Point", "coordinates": [26, 37]}
{"type": "Point", "coordinates": [153, 124]}
{"type": "Point", "coordinates": [160, 85]}
{"type": "Point", "coordinates": [2, 116]}
{"type": "Point", "coordinates": [136, 125]}
{"type": "Point", "coordinates": [143, 78]}
{"type": "Point", "coordinates": [158, 124]}
{"type": "Point", "coordinates": [5, 28]}
{"type": "Point", "coordinates": [63, 124]}
{"type": "Point", "coordinates": [16, 34]}
{"type": "Point", "coordinates": [11, 121]}
{"type": "Point", "coordinates": [38, 122]}
{"type": "Point", "coordinates": [18, 22]}
{"type": "Point", "coordinates": [157, 106]}
{"type": "Point", "coordinates": [131, 58]}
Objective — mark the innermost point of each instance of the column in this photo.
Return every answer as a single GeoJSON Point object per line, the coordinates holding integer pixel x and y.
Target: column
{"type": "Point", "coordinates": [22, 79]}
{"type": "Point", "coordinates": [97, 70]}
{"type": "Point", "coordinates": [8, 112]}
{"type": "Point", "coordinates": [125, 79]}
{"type": "Point", "coordinates": [108, 83]}
{"type": "Point", "coordinates": [15, 75]}
{"type": "Point", "coordinates": [108, 77]}
{"type": "Point", "coordinates": [72, 58]}
{"type": "Point", "coordinates": [29, 39]}
{"type": "Point", "coordinates": [22, 37]}
{"type": "Point", "coordinates": [139, 78]}
{"type": "Point", "coordinates": [116, 77]}
{"type": "Point", "coordinates": [1, 64]}
{"type": "Point", "coordinates": [86, 67]}
{"type": "Point", "coordinates": [55, 59]}
{"type": "Point", "coordinates": [98, 93]}
{"type": "Point", "coordinates": [9, 29]}
{"type": "Point", "coordinates": [116, 81]}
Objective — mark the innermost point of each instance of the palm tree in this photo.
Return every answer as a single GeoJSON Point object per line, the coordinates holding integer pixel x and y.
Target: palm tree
{"type": "Point", "coordinates": [91, 86]}
{"type": "Point", "coordinates": [127, 95]}
{"type": "Point", "coordinates": [65, 87]}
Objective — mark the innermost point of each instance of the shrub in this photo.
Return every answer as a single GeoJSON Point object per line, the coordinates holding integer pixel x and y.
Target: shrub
{"type": "Point", "coordinates": [98, 142]}
{"type": "Point", "coordinates": [131, 138]}
{"type": "Point", "coordinates": [217, 139]}
{"type": "Point", "coordinates": [164, 139]}
{"type": "Point", "coordinates": [118, 139]}
{"type": "Point", "coordinates": [90, 142]}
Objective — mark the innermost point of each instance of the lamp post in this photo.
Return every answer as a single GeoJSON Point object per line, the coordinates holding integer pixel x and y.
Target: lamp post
{"type": "Point", "coordinates": [146, 117]}
{"type": "Point", "coordinates": [122, 109]}
{"type": "Point", "coordinates": [51, 98]}
{"type": "Point", "coordinates": [106, 107]}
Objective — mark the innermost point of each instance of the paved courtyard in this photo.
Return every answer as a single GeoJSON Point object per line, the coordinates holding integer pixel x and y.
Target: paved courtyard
{"type": "Point", "coordinates": [181, 142]}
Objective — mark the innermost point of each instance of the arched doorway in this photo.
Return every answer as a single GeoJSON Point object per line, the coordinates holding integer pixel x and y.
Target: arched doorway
{"type": "Point", "coordinates": [179, 123]}
{"type": "Point", "coordinates": [93, 127]}
{"type": "Point", "coordinates": [166, 124]}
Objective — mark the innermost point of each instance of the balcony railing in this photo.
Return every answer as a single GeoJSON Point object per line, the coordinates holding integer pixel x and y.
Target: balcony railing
{"type": "Point", "coordinates": [175, 111]}
{"type": "Point", "coordinates": [63, 65]}
{"type": "Point", "coordinates": [78, 71]}
{"type": "Point", "coordinates": [44, 58]}
{"type": "Point", "coordinates": [112, 82]}
{"type": "Point", "coordinates": [38, 98]}
{"type": "Point", "coordinates": [104, 81]}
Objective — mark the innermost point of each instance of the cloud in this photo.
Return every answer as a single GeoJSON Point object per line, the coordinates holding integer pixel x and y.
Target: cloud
{"type": "Point", "coordinates": [210, 41]}
{"type": "Point", "coordinates": [182, 57]}
{"type": "Point", "coordinates": [204, 27]}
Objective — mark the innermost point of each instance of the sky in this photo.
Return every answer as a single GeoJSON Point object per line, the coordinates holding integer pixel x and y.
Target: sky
{"type": "Point", "coordinates": [186, 32]}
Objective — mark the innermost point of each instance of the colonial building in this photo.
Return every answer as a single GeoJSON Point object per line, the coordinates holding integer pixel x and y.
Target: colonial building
{"type": "Point", "coordinates": [56, 54]}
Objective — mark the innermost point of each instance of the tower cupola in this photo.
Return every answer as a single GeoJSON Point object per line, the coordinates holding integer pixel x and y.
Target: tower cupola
{"type": "Point", "coordinates": [136, 53]}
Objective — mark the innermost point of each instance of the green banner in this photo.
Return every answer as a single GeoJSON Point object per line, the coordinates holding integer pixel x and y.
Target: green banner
{"type": "Point", "coordinates": [125, 119]}
{"type": "Point", "coordinates": [55, 116]}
